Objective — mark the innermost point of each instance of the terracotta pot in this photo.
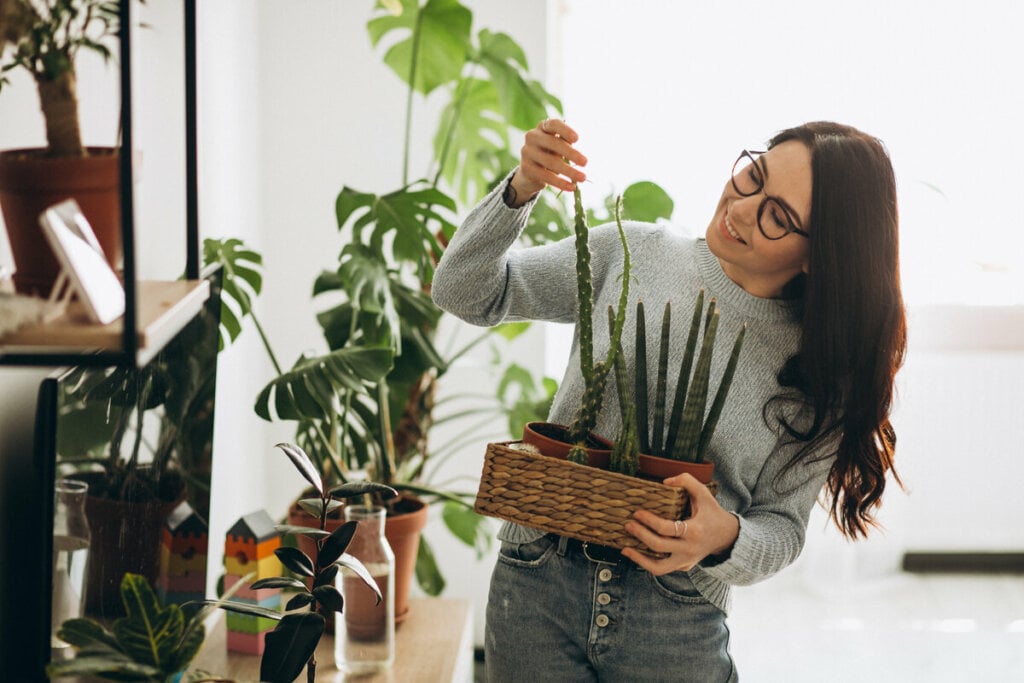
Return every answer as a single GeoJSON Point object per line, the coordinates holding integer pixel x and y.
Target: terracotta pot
{"type": "Point", "coordinates": [658, 469]}
{"type": "Point", "coordinates": [125, 538]}
{"type": "Point", "coordinates": [31, 181]}
{"type": "Point", "coordinates": [403, 533]}
{"type": "Point", "coordinates": [552, 440]}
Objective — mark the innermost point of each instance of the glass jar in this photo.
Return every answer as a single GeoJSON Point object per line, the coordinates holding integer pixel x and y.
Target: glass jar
{"type": "Point", "coordinates": [364, 638]}
{"type": "Point", "coordinates": [70, 554]}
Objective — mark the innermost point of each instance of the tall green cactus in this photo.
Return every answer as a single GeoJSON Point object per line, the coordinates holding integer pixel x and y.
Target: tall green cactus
{"type": "Point", "coordinates": [688, 430]}
{"type": "Point", "coordinates": [595, 374]}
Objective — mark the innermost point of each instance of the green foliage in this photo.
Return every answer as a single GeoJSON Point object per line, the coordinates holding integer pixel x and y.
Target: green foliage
{"type": "Point", "coordinates": [689, 429]}
{"type": "Point", "coordinates": [595, 373]}
{"type": "Point", "coordinates": [151, 643]}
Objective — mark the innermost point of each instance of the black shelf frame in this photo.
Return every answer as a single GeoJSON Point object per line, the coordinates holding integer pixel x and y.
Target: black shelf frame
{"type": "Point", "coordinates": [128, 355]}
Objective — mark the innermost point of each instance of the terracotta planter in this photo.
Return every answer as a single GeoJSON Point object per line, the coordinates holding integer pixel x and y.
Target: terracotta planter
{"type": "Point", "coordinates": [125, 538]}
{"type": "Point", "coordinates": [552, 440]}
{"type": "Point", "coordinates": [403, 533]}
{"type": "Point", "coordinates": [30, 182]}
{"type": "Point", "coordinates": [653, 468]}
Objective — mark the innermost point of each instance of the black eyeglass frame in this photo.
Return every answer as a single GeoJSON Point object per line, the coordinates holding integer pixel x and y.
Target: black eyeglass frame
{"type": "Point", "coordinates": [792, 219]}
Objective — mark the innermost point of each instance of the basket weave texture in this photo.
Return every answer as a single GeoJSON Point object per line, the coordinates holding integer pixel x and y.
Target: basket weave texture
{"type": "Point", "coordinates": [571, 500]}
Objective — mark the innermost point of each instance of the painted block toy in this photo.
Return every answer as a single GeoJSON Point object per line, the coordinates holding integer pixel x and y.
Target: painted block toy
{"type": "Point", "coordinates": [183, 550]}
{"type": "Point", "coordinates": [249, 548]}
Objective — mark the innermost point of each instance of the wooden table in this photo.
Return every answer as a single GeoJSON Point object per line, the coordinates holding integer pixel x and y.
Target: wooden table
{"type": "Point", "coordinates": [433, 645]}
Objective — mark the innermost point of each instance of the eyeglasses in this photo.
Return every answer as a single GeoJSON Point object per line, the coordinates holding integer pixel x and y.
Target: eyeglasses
{"type": "Point", "coordinates": [775, 218]}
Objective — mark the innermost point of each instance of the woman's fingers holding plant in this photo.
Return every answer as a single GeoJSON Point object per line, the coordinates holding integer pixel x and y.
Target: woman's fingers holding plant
{"type": "Point", "coordinates": [549, 158]}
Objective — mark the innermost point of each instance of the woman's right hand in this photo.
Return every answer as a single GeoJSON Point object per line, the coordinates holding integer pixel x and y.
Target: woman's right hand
{"type": "Point", "coordinates": [549, 158]}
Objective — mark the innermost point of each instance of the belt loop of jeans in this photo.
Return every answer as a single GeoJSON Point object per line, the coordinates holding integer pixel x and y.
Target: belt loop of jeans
{"type": "Point", "coordinates": [563, 545]}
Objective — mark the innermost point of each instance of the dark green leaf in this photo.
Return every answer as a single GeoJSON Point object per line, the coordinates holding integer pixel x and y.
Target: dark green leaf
{"type": "Point", "coordinates": [300, 600]}
{"type": "Point", "coordinates": [354, 489]}
{"type": "Point", "coordinates": [329, 597]}
{"type": "Point", "coordinates": [361, 571]}
{"type": "Point", "coordinates": [250, 609]}
{"type": "Point", "coordinates": [107, 666]}
{"type": "Point", "coordinates": [279, 582]}
{"type": "Point", "coordinates": [326, 576]}
{"type": "Point", "coordinates": [148, 634]}
{"type": "Point", "coordinates": [308, 531]}
{"type": "Point", "coordinates": [303, 465]}
{"type": "Point", "coordinates": [427, 574]}
{"type": "Point", "coordinates": [314, 506]}
{"type": "Point", "coordinates": [336, 543]}
{"type": "Point", "coordinates": [290, 645]}
{"type": "Point", "coordinates": [86, 633]}
{"type": "Point", "coordinates": [295, 560]}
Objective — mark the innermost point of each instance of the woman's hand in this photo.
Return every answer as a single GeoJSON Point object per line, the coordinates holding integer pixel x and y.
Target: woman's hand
{"type": "Point", "coordinates": [709, 530]}
{"type": "Point", "coordinates": [548, 158]}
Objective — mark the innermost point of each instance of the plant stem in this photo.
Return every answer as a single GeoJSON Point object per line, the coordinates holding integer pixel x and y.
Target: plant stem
{"type": "Point", "coordinates": [413, 62]}
{"type": "Point", "coordinates": [461, 91]}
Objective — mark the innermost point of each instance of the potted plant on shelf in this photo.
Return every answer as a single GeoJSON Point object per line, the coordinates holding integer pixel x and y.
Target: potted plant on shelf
{"type": "Point", "coordinates": [43, 37]}
{"type": "Point", "coordinates": [523, 484]}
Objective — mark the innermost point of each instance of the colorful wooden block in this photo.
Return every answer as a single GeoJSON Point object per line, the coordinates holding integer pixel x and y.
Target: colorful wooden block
{"type": "Point", "coordinates": [250, 546]}
{"type": "Point", "coordinates": [247, 643]}
{"type": "Point", "coordinates": [264, 597]}
{"type": "Point", "coordinates": [179, 564]}
{"type": "Point", "coordinates": [194, 583]}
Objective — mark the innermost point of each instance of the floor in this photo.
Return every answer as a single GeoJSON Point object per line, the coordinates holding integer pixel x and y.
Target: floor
{"type": "Point", "coordinates": [899, 628]}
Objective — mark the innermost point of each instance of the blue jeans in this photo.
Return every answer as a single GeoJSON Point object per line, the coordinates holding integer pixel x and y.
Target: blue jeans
{"type": "Point", "coordinates": [555, 615]}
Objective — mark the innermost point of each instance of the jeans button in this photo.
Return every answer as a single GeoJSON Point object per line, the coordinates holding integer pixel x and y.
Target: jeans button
{"type": "Point", "coordinates": [602, 620]}
{"type": "Point", "coordinates": [603, 599]}
{"type": "Point", "coordinates": [605, 574]}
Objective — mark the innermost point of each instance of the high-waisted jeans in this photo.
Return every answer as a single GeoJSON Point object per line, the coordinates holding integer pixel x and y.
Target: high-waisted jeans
{"type": "Point", "coordinates": [555, 615]}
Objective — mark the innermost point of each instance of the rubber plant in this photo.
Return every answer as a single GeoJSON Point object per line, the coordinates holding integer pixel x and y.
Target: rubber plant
{"type": "Point", "coordinates": [291, 646]}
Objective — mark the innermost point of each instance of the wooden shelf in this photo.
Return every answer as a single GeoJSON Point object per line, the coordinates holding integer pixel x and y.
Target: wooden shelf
{"type": "Point", "coordinates": [164, 308]}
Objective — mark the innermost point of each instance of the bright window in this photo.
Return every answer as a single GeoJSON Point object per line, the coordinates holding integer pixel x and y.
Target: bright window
{"type": "Point", "coordinates": [671, 91]}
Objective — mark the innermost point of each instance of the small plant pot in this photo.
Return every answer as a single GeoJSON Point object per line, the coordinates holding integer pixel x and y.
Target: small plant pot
{"type": "Point", "coordinates": [552, 440]}
{"type": "Point", "coordinates": [31, 181]}
{"type": "Point", "coordinates": [654, 468]}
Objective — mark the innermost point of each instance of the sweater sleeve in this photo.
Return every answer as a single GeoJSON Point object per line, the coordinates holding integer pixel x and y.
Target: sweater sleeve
{"type": "Point", "coordinates": [484, 281]}
{"type": "Point", "coordinates": [773, 528]}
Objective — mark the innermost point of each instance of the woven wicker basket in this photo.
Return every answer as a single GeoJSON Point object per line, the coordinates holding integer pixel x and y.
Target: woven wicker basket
{"type": "Point", "coordinates": [572, 500]}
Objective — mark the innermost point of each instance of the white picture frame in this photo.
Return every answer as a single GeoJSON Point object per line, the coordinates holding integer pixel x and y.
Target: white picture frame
{"type": "Point", "coordinates": [82, 261]}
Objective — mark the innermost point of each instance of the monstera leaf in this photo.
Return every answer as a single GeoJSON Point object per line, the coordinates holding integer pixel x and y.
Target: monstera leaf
{"type": "Point", "coordinates": [441, 45]}
{"type": "Point", "coordinates": [309, 388]}
{"type": "Point", "coordinates": [242, 282]}
{"type": "Point", "coordinates": [524, 102]}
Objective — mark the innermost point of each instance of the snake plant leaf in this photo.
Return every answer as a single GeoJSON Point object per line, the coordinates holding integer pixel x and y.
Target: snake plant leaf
{"type": "Point", "coordinates": [350, 369]}
{"type": "Point", "coordinates": [290, 645]}
{"type": "Point", "coordinates": [150, 633]}
{"type": "Point", "coordinates": [441, 46]}
{"type": "Point", "coordinates": [304, 465]}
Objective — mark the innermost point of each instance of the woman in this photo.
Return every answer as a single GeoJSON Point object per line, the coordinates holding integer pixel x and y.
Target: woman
{"type": "Point", "coordinates": [802, 248]}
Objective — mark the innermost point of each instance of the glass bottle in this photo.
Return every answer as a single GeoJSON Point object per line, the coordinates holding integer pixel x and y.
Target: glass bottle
{"type": "Point", "coordinates": [364, 638]}
{"type": "Point", "coordinates": [70, 554]}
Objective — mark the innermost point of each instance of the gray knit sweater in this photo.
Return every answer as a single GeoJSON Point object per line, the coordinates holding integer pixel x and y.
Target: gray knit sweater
{"type": "Point", "coordinates": [483, 280]}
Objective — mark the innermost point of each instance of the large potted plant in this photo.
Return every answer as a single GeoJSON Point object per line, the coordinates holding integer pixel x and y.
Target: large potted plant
{"type": "Point", "coordinates": [44, 37]}
{"type": "Point", "coordinates": [365, 408]}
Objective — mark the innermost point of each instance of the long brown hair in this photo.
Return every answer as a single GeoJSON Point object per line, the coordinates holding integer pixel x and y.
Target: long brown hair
{"type": "Point", "coordinates": [854, 324]}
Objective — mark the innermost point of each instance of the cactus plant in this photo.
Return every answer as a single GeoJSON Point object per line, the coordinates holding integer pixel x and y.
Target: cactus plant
{"type": "Point", "coordinates": [595, 373]}
{"type": "Point", "coordinates": [689, 431]}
